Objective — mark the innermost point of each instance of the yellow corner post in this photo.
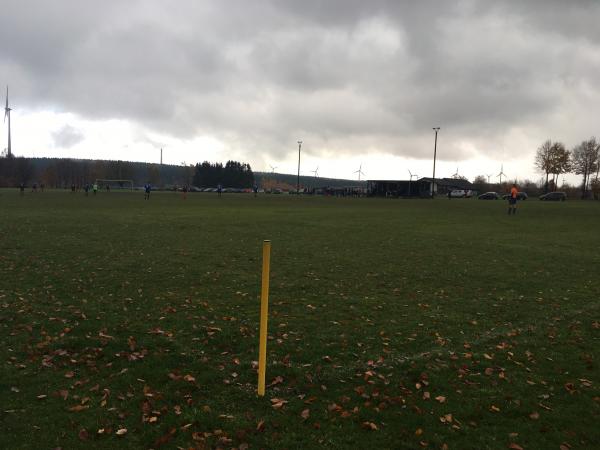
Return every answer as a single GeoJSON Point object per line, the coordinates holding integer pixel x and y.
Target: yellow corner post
{"type": "Point", "coordinates": [264, 313]}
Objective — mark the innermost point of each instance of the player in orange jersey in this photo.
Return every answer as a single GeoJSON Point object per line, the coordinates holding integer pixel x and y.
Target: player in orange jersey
{"type": "Point", "coordinates": [512, 200]}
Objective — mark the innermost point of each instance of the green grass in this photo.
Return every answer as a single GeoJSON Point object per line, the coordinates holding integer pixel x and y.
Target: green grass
{"type": "Point", "coordinates": [377, 307]}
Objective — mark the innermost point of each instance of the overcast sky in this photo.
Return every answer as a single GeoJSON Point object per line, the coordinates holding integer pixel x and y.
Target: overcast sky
{"type": "Point", "coordinates": [359, 82]}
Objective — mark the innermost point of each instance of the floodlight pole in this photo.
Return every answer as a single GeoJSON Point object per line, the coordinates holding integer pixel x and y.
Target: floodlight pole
{"type": "Point", "coordinates": [436, 129]}
{"type": "Point", "coordinates": [298, 179]}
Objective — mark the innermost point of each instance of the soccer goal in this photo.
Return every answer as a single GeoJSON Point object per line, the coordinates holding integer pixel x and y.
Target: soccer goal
{"type": "Point", "coordinates": [117, 184]}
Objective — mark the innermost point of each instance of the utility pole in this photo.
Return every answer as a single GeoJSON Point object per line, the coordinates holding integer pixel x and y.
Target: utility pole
{"type": "Point", "coordinates": [436, 129]}
{"type": "Point", "coordinates": [298, 179]}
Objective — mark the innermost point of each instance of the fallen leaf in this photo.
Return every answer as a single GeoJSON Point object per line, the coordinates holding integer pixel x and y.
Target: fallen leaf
{"type": "Point", "coordinates": [276, 380]}
{"type": "Point", "coordinates": [277, 403]}
{"type": "Point", "coordinates": [534, 415]}
{"type": "Point", "coordinates": [121, 431]}
{"type": "Point", "coordinates": [441, 398]}
{"type": "Point", "coordinates": [83, 434]}
{"type": "Point", "coordinates": [78, 408]}
{"type": "Point", "coordinates": [514, 446]}
{"type": "Point", "coordinates": [369, 426]}
{"type": "Point", "coordinates": [494, 408]}
{"type": "Point", "coordinates": [189, 379]}
{"type": "Point", "coordinates": [305, 414]}
{"type": "Point", "coordinates": [69, 374]}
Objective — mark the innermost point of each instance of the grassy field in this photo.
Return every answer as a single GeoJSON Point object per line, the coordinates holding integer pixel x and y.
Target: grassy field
{"type": "Point", "coordinates": [127, 323]}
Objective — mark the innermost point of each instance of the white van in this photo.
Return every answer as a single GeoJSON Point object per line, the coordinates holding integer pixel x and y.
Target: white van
{"type": "Point", "coordinates": [461, 193]}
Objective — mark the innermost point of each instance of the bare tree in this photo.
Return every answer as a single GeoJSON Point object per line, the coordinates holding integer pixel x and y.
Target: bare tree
{"type": "Point", "coordinates": [480, 183]}
{"type": "Point", "coordinates": [586, 157]}
{"type": "Point", "coordinates": [543, 160]}
{"type": "Point", "coordinates": [560, 161]}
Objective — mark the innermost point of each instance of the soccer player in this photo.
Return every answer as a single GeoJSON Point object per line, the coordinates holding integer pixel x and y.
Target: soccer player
{"type": "Point", "coordinates": [95, 188]}
{"type": "Point", "coordinates": [147, 189]}
{"type": "Point", "coordinates": [512, 200]}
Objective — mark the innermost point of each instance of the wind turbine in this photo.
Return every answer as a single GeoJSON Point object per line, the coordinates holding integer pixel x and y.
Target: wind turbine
{"type": "Point", "coordinates": [501, 174]}
{"type": "Point", "coordinates": [316, 172]}
{"type": "Point", "coordinates": [489, 176]}
{"type": "Point", "coordinates": [359, 172]}
{"type": "Point", "coordinates": [7, 114]}
{"type": "Point", "coordinates": [410, 181]}
{"type": "Point", "coordinates": [456, 175]}
{"type": "Point", "coordinates": [272, 168]}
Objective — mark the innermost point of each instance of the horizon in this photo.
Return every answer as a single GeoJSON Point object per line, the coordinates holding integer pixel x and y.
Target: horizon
{"type": "Point", "coordinates": [361, 85]}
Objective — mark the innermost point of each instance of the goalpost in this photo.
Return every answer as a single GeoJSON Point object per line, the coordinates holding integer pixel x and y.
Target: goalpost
{"type": "Point", "coordinates": [123, 184]}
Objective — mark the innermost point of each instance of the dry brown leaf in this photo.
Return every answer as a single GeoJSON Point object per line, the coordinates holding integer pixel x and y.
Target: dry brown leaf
{"type": "Point", "coordinates": [305, 414]}
{"type": "Point", "coordinates": [441, 398]}
{"type": "Point", "coordinates": [369, 426]}
{"type": "Point", "coordinates": [121, 431]}
{"type": "Point", "coordinates": [78, 408]}
{"type": "Point", "coordinates": [534, 415]}
{"type": "Point", "coordinates": [277, 403]}
{"type": "Point", "coordinates": [514, 446]}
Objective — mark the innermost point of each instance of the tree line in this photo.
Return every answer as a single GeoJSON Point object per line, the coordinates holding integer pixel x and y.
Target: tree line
{"type": "Point", "coordinates": [233, 174]}
{"type": "Point", "coordinates": [554, 159]}
{"type": "Point", "coordinates": [65, 172]}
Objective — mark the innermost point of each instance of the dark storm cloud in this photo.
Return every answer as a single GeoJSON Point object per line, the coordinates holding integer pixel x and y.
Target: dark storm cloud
{"type": "Point", "coordinates": [345, 74]}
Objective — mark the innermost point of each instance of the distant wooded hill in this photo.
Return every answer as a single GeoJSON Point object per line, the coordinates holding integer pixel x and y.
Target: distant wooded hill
{"type": "Point", "coordinates": [269, 180]}
{"type": "Point", "coordinates": [62, 172]}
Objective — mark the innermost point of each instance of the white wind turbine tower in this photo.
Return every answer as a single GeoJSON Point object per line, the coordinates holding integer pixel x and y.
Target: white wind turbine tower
{"type": "Point", "coordinates": [489, 176]}
{"type": "Point", "coordinates": [501, 174]}
{"type": "Point", "coordinates": [359, 172]}
{"type": "Point", "coordinates": [272, 168]}
{"type": "Point", "coordinates": [410, 181]}
{"type": "Point", "coordinates": [316, 172]}
{"type": "Point", "coordinates": [7, 114]}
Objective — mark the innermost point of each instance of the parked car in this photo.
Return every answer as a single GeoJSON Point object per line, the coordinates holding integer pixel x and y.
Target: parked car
{"type": "Point", "coordinates": [520, 196]}
{"type": "Point", "coordinates": [489, 196]}
{"type": "Point", "coordinates": [461, 193]}
{"type": "Point", "coordinates": [554, 196]}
